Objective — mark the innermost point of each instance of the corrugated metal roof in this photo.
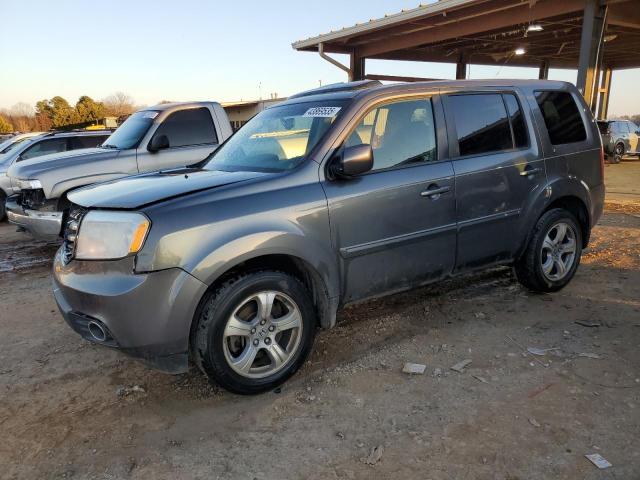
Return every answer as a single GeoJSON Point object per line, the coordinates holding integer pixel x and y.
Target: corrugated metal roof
{"type": "Point", "coordinates": [439, 7]}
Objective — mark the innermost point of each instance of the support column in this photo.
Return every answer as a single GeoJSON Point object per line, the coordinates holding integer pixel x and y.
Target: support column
{"type": "Point", "coordinates": [591, 41]}
{"type": "Point", "coordinates": [461, 68]}
{"type": "Point", "coordinates": [543, 72]}
{"type": "Point", "coordinates": [356, 67]}
{"type": "Point", "coordinates": [605, 90]}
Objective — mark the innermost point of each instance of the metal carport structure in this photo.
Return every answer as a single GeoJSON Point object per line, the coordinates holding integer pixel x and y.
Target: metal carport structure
{"type": "Point", "coordinates": [593, 36]}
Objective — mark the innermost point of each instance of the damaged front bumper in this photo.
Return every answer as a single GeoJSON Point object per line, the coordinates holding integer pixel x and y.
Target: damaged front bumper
{"type": "Point", "coordinates": [145, 315]}
{"type": "Point", "coordinates": [44, 225]}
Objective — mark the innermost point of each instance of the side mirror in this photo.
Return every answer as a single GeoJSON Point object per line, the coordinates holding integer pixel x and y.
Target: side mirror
{"type": "Point", "coordinates": [354, 161]}
{"type": "Point", "coordinates": [158, 142]}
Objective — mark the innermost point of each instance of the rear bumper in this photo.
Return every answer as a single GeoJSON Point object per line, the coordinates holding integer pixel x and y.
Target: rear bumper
{"type": "Point", "coordinates": [147, 316]}
{"type": "Point", "coordinates": [42, 225]}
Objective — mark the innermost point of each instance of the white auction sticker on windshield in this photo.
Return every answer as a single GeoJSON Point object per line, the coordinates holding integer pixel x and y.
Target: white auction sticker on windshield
{"type": "Point", "coordinates": [322, 112]}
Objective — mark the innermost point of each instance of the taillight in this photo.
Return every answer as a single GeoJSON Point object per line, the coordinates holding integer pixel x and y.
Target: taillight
{"type": "Point", "coordinates": [602, 161]}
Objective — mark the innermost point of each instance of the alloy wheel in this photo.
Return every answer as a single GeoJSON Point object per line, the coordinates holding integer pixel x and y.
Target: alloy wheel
{"type": "Point", "coordinates": [262, 334]}
{"type": "Point", "coordinates": [558, 251]}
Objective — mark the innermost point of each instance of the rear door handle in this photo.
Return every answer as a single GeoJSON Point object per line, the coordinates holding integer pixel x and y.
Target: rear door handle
{"type": "Point", "coordinates": [530, 171]}
{"type": "Point", "coordinates": [434, 192]}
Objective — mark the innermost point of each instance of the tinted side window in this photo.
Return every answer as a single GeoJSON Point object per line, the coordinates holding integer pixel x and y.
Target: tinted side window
{"type": "Point", "coordinates": [520, 137]}
{"type": "Point", "coordinates": [481, 123]}
{"type": "Point", "coordinates": [45, 147]}
{"type": "Point", "coordinates": [561, 116]}
{"type": "Point", "coordinates": [87, 141]}
{"type": "Point", "coordinates": [399, 133]}
{"type": "Point", "coordinates": [189, 127]}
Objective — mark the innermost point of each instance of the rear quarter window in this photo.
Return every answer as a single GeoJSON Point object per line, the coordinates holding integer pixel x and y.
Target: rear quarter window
{"type": "Point", "coordinates": [561, 117]}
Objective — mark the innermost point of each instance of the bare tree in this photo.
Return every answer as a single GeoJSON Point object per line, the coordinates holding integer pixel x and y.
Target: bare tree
{"type": "Point", "coordinates": [119, 104]}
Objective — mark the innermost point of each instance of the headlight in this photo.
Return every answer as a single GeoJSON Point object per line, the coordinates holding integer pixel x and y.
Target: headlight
{"type": "Point", "coordinates": [107, 235]}
{"type": "Point", "coordinates": [28, 184]}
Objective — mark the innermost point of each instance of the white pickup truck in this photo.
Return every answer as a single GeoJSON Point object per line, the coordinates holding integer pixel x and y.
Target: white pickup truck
{"type": "Point", "coordinates": [162, 137]}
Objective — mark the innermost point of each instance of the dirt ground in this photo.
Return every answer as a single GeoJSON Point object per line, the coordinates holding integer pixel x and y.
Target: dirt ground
{"type": "Point", "coordinates": [70, 409]}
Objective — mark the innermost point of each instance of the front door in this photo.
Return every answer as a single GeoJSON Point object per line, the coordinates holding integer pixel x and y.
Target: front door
{"type": "Point", "coordinates": [192, 137]}
{"type": "Point", "coordinates": [497, 169]}
{"type": "Point", "coordinates": [394, 227]}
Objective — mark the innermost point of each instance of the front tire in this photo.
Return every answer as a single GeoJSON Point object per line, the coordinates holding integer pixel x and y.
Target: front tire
{"type": "Point", "coordinates": [254, 331]}
{"type": "Point", "coordinates": [553, 254]}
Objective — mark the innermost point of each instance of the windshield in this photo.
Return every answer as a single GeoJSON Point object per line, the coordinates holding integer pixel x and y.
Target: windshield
{"type": "Point", "coordinates": [276, 139]}
{"type": "Point", "coordinates": [129, 134]}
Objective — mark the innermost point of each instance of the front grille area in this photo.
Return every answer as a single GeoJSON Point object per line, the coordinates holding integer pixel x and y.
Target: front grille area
{"type": "Point", "coordinates": [71, 227]}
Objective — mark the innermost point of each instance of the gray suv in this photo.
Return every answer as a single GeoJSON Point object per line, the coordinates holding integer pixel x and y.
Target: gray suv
{"type": "Point", "coordinates": [334, 196]}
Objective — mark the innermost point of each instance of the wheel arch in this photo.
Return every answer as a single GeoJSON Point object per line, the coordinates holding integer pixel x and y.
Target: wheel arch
{"type": "Point", "coordinates": [325, 303]}
{"type": "Point", "coordinates": [571, 196]}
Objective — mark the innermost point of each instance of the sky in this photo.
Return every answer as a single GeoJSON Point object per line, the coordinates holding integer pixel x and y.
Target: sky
{"type": "Point", "coordinates": [201, 50]}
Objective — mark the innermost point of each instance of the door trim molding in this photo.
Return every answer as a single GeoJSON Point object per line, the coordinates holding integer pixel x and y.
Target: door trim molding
{"type": "Point", "coordinates": [377, 245]}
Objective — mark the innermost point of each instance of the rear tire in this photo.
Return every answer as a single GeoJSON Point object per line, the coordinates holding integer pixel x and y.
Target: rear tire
{"type": "Point", "coordinates": [553, 253]}
{"type": "Point", "coordinates": [618, 153]}
{"type": "Point", "coordinates": [254, 331]}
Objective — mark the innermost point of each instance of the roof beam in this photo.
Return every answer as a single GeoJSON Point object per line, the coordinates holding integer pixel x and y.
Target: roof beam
{"type": "Point", "coordinates": [474, 25]}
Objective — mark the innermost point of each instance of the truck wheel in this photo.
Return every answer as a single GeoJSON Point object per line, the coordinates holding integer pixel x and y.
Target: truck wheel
{"type": "Point", "coordinates": [618, 153]}
{"type": "Point", "coordinates": [254, 331]}
{"type": "Point", "coordinates": [553, 253]}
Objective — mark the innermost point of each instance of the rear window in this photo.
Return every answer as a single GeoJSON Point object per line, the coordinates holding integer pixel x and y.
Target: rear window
{"type": "Point", "coordinates": [561, 116]}
{"type": "Point", "coordinates": [482, 124]}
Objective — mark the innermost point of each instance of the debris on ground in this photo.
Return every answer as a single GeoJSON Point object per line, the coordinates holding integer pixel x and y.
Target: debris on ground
{"type": "Point", "coordinates": [590, 355]}
{"type": "Point", "coordinates": [541, 352]}
{"type": "Point", "coordinates": [480, 379]}
{"type": "Point", "coordinates": [374, 455]}
{"type": "Point", "coordinates": [534, 422]}
{"type": "Point", "coordinates": [437, 372]}
{"type": "Point", "coordinates": [598, 461]}
{"type": "Point", "coordinates": [414, 368]}
{"type": "Point", "coordinates": [587, 323]}
{"type": "Point", "coordinates": [125, 391]}
{"type": "Point", "coordinates": [459, 367]}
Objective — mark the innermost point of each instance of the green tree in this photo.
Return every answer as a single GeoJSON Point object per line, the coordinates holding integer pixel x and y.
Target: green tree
{"type": "Point", "coordinates": [89, 110]}
{"type": "Point", "coordinates": [58, 110]}
{"type": "Point", "coordinates": [5, 126]}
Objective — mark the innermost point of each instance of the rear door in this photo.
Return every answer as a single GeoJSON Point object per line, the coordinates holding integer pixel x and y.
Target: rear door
{"type": "Point", "coordinates": [498, 169]}
{"type": "Point", "coordinates": [192, 137]}
{"type": "Point", "coordinates": [394, 226]}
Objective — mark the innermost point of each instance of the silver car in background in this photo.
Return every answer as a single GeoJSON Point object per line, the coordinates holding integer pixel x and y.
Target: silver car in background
{"type": "Point", "coordinates": [28, 146]}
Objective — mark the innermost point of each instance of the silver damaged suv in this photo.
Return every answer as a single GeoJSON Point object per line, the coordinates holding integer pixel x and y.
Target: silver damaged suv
{"type": "Point", "coordinates": [336, 195]}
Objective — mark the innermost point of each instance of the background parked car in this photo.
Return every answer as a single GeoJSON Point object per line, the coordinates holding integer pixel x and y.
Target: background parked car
{"type": "Point", "coordinates": [32, 146]}
{"type": "Point", "coordinates": [157, 138]}
{"type": "Point", "coordinates": [12, 141]}
{"type": "Point", "coordinates": [619, 138]}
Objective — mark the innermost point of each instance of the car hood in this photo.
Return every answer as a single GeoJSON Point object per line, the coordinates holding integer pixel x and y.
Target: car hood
{"type": "Point", "coordinates": [141, 190]}
{"type": "Point", "coordinates": [34, 168]}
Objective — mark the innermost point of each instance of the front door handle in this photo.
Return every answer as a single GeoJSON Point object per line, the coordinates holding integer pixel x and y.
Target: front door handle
{"type": "Point", "coordinates": [530, 171]}
{"type": "Point", "coordinates": [434, 192]}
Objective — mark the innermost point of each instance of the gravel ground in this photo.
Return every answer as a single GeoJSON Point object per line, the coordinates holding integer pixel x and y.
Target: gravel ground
{"type": "Point", "coordinates": [70, 409]}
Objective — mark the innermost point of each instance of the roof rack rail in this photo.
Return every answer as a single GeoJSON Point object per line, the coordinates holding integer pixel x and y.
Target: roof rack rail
{"type": "Point", "coordinates": [339, 87]}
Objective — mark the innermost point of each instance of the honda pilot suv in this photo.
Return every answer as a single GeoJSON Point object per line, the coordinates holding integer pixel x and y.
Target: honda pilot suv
{"type": "Point", "coordinates": [334, 196]}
